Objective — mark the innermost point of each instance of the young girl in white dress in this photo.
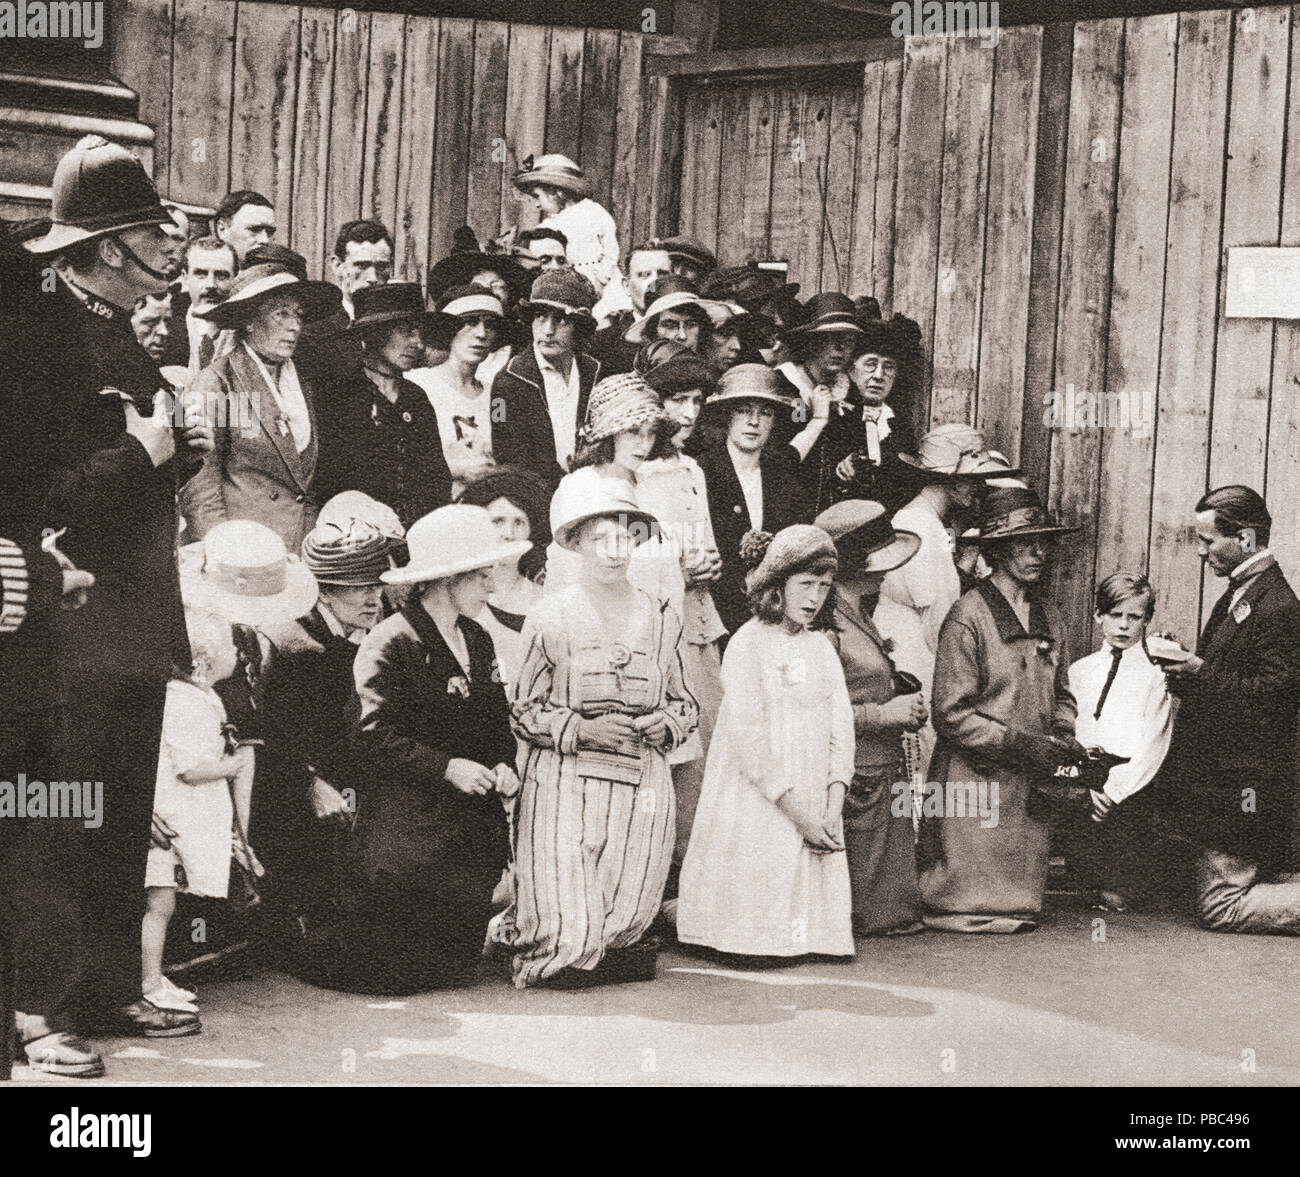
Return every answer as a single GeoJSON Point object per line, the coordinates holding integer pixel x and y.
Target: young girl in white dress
{"type": "Point", "coordinates": [765, 873]}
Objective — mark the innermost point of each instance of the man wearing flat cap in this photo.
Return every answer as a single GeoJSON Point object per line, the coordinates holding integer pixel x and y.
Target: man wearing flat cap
{"type": "Point", "coordinates": [91, 447]}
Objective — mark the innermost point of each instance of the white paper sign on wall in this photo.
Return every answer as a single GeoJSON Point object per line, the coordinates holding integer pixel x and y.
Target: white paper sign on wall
{"type": "Point", "coordinates": [1263, 282]}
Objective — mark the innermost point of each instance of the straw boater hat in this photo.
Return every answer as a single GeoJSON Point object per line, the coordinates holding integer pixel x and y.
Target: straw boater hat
{"type": "Point", "coordinates": [957, 451]}
{"type": "Point", "coordinates": [566, 291]}
{"type": "Point", "coordinates": [395, 302]}
{"type": "Point", "coordinates": [750, 382]}
{"type": "Point", "coordinates": [672, 292]}
{"type": "Point", "coordinates": [588, 494]}
{"type": "Point", "coordinates": [98, 188]}
{"type": "Point", "coordinates": [784, 554]}
{"type": "Point", "coordinates": [864, 537]}
{"type": "Point", "coordinates": [617, 404]}
{"type": "Point", "coordinates": [1015, 512]}
{"type": "Point", "coordinates": [254, 285]}
{"type": "Point", "coordinates": [827, 313]}
{"type": "Point", "coordinates": [242, 571]}
{"type": "Point", "coordinates": [557, 171]}
{"type": "Point", "coordinates": [354, 555]}
{"type": "Point", "coordinates": [452, 540]}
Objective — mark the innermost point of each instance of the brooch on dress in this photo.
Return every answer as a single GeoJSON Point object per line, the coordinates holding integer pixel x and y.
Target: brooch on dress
{"type": "Point", "coordinates": [619, 655]}
{"type": "Point", "coordinates": [1240, 611]}
{"type": "Point", "coordinates": [459, 685]}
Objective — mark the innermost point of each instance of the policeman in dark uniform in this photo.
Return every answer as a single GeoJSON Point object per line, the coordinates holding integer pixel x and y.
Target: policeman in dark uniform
{"type": "Point", "coordinates": [94, 450]}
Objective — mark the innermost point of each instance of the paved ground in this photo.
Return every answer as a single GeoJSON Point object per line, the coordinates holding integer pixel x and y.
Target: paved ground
{"type": "Point", "coordinates": [1155, 1002]}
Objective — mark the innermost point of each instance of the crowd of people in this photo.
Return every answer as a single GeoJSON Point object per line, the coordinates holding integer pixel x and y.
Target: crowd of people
{"type": "Point", "coordinates": [553, 608]}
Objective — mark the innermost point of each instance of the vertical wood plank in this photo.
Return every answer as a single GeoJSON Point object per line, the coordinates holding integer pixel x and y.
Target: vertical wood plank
{"type": "Point", "coordinates": [798, 161]}
{"type": "Point", "coordinates": [347, 122]}
{"type": "Point", "coordinates": [415, 171]}
{"type": "Point", "coordinates": [564, 93]}
{"type": "Point", "coordinates": [451, 150]}
{"type": "Point", "coordinates": [1191, 300]}
{"type": "Point", "coordinates": [920, 174]}
{"type": "Point", "coordinates": [883, 237]}
{"type": "Point", "coordinates": [624, 179]}
{"type": "Point", "coordinates": [265, 99]}
{"type": "Point", "coordinates": [1004, 319]}
{"type": "Point", "coordinates": [1049, 191]}
{"type": "Point", "coordinates": [487, 165]}
{"type": "Point", "coordinates": [861, 278]}
{"type": "Point", "coordinates": [962, 203]}
{"type": "Point", "coordinates": [1083, 301]}
{"type": "Point", "coordinates": [312, 135]}
{"type": "Point", "coordinates": [701, 161]}
{"type": "Point", "coordinates": [142, 58]}
{"type": "Point", "coordinates": [1282, 491]}
{"type": "Point", "coordinates": [202, 60]}
{"type": "Point", "coordinates": [1252, 206]}
{"type": "Point", "coordinates": [841, 168]}
{"type": "Point", "coordinates": [659, 158]}
{"type": "Point", "coordinates": [748, 133]}
{"type": "Point", "coordinates": [527, 69]}
{"type": "Point", "coordinates": [599, 110]}
{"type": "Point", "coordinates": [384, 114]}
{"type": "Point", "coordinates": [1137, 295]}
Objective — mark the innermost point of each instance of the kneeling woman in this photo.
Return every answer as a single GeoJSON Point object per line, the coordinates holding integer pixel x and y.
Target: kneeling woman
{"type": "Point", "coordinates": [431, 836]}
{"type": "Point", "coordinates": [599, 702]}
{"type": "Point", "coordinates": [1004, 716]}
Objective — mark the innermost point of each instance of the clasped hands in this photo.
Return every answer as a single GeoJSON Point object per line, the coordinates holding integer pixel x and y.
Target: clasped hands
{"type": "Point", "coordinates": [472, 778]}
{"type": "Point", "coordinates": [614, 731]}
{"type": "Point", "coordinates": [818, 823]}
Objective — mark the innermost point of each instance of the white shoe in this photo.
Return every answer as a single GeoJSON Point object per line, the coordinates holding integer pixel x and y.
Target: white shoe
{"type": "Point", "coordinates": [164, 999]}
{"type": "Point", "coordinates": [176, 991]}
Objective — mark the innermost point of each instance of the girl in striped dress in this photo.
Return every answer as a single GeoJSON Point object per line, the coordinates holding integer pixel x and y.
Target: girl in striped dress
{"type": "Point", "coordinates": [599, 702]}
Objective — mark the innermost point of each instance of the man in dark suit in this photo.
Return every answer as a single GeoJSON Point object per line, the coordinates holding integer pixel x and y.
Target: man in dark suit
{"type": "Point", "coordinates": [539, 399]}
{"type": "Point", "coordinates": [751, 485]}
{"type": "Point", "coordinates": [209, 269]}
{"type": "Point", "coordinates": [1230, 776]}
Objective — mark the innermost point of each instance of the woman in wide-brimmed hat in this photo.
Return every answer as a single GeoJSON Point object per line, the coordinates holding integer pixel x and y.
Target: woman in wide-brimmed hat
{"type": "Point", "coordinates": [953, 462]}
{"type": "Point", "coordinates": [516, 500]}
{"type": "Point", "coordinates": [765, 874]}
{"type": "Point", "coordinates": [474, 319]}
{"type": "Point", "coordinates": [677, 312]}
{"type": "Point", "coordinates": [263, 409]}
{"type": "Point", "coordinates": [561, 192]}
{"type": "Point", "coordinates": [600, 702]}
{"type": "Point", "coordinates": [434, 736]}
{"type": "Point", "coordinates": [1005, 719]}
{"type": "Point", "coordinates": [887, 704]}
{"type": "Point", "coordinates": [379, 433]}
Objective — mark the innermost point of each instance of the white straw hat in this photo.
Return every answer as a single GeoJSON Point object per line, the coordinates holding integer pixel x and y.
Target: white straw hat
{"type": "Point", "coordinates": [242, 571]}
{"type": "Point", "coordinates": [452, 540]}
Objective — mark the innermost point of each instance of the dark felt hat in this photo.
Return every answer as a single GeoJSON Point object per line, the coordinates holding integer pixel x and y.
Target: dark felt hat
{"type": "Point", "coordinates": [467, 259]}
{"type": "Point", "coordinates": [394, 302]}
{"type": "Point", "coordinates": [1014, 512]}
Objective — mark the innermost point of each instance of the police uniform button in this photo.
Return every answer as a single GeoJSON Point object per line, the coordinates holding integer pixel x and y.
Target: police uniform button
{"type": "Point", "coordinates": [736, 508]}
{"type": "Point", "coordinates": [406, 417]}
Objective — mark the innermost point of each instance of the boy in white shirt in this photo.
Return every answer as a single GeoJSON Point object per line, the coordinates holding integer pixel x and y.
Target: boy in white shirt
{"type": "Point", "coordinates": [1125, 708]}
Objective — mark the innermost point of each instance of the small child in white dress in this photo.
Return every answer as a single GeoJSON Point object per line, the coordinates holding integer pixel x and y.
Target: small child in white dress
{"type": "Point", "coordinates": [765, 874]}
{"type": "Point", "coordinates": [560, 188]}
{"type": "Point", "coordinates": [193, 807]}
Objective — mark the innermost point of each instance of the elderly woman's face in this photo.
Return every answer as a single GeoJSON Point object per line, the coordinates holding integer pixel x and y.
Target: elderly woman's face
{"type": "Point", "coordinates": [357, 606]}
{"type": "Point", "coordinates": [874, 376]}
{"type": "Point", "coordinates": [1025, 560]}
{"type": "Point", "coordinates": [475, 339]}
{"type": "Point", "coordinates": [273, 331]}
{"type": "Point", "coordinates": [511, 523]}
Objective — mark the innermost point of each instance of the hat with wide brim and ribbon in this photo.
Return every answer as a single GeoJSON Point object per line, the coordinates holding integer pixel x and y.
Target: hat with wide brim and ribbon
{"type": "Point", "coordinates": [555, 171]}
{"type": "Point", "coordinates": [827, 313]}
{"type": "Point", "coordinates": [394, 302]}
{"type": "Point", "coordinates": [588, 494]}
{"type": "Point", "coordinates": [864, 537]}
{"type": "Point", "coordinates": [673, 292]}
{"type": "Point", "coordinates": [957, 451]}
{"type": "Point", "coordinates": [242, 571]}
{"type": "Point", "coordinates": [98, 188]}
{"type": "Point", "coordinates": [745, 383]}
{"type": "Point", "coordinates": [450, 541]}
{"type": "Point", "coordinates": [253, 287]}
{"type": "Point", "coordinates": [462, 303]}
{"type": "Point", "coordinates": [1016, 512]}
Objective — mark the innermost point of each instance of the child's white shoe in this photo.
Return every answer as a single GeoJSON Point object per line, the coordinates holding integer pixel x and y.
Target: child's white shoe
{"type": "Point", "coordinates": [165, 999]}
{"type": "Point", "coordinates": [175, 990]}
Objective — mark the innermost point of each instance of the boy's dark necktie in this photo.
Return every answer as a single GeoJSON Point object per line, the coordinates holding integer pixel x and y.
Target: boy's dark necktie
{"type": "Point", "coordinates": [1115, 655]}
